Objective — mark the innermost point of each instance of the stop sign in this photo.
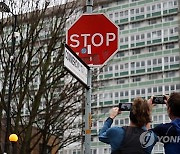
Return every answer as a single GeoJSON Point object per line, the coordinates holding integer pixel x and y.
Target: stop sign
{"type": "Point", "coordinates": [94, 38]}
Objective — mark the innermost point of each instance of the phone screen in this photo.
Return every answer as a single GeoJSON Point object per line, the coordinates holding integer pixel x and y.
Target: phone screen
{"type": "Point", "coordinates": [159, 100]}
{"type": "Point", "coordinates": [125, 106]}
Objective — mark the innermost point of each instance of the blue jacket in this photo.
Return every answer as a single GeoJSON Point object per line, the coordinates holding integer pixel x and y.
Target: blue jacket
{"type": "Point", "coordinates": [114, 136]}
{"type": "Point", "coordinates": [169, 134]}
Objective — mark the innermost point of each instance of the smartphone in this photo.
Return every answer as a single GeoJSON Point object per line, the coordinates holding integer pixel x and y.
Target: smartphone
{"type": "Point", "coordinates": [159, 100]}
{"type": "Point", "coordinates": [125, 106]}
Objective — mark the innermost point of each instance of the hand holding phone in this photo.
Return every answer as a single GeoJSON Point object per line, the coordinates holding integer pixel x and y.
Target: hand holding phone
{"type": "Point", "coordinates": [125, 106]}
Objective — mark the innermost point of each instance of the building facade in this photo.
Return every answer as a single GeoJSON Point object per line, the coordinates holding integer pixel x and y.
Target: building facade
{"type": "Point", "coordinates": [147, 63]}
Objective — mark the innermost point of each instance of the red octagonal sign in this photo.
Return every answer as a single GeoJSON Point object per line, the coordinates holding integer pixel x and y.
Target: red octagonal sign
{"type": "Point", "coordinates": [94, 38]}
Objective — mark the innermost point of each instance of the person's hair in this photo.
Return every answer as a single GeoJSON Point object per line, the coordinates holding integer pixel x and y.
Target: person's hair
{"type": "Point", "coordinates": [174, 104]}
{"type": "Point", "coordinates": [140, 113]}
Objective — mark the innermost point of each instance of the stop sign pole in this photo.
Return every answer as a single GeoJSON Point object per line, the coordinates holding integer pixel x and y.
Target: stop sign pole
{"type": "Point", "coordinates": [89, 5]}
{"type": "Point", "coordinates": [95, 44]}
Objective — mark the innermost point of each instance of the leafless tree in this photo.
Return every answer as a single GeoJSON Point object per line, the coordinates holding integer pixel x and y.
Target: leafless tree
{"type": "Point", "coordinates": [45, 99]}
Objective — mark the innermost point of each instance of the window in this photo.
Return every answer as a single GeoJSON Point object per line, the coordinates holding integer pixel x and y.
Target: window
{"type": "Point", "coordinates": [120, 81]}
{"type": "Point", "coordinates": [132, 92]}
{"type": "Point", "coordinates": [121, 27]}
{"type": "Point", "coordinates": [106, 69]}
{"type": "Point", "coordinates": [172, 87]}
{"type": "Point", "coordinates": [126, 93]}
{"type": "Point", "coordinates": [126, 65]}
{"type": "Point", "coordinates": [142, 36]}
{"type": "Point", "coordinates": [132, 38]}
{"type": "Point", "coordinates": [159, 33]}
{"type": "Point", "coordinates": [116, 67]}
{"type": "Point", "coordinates": [166, 117]}
{"type": "Point", "coordinates": [136, 51]}
{"type": "Point", "coordinates": [121, 14]}
{"type": "Point", "coordinates": [152, 21]}
{"type": "Point", "coordinates": [170, 74]}
{"type": "Point", "coordinates": [132, 64]}
{"type": "Point", "coordinates": [137, 10]}
{"type": "Point", "coordinates": [153, 48]}
{"type": "Point", "coordinates": [160, 117]}
{"type": "Point", "coordinates": [177, 86]}
{"type": "Point", "coordinates": [143, 63]}
{"type": "Point", "coordinates": [160, 88]}
{"type": "Point", "coordinates": [155, 89]}
{"type": "Point", "coordinates": [165, 5]}
{"type": "Point", "coordinates": [137, 64]}
{"type": "Point", "coordinates": [149, 62]}
{"type": "Point", "coordinates": [121, 93]}
{"type": "Point", "coordinates": [171, 31]}
{"type": "Point", "coordinates": [175, 2]}
{"type": "Point", "coordinates": [154, 61]}
{"type": "Point", "coordinates": [170, 3]}
{"type": "Point", "coordinates": [142, 91]}
{"type": "Point", "coordinates": [177, 58]}
{"type": "Point", "coordinates": [116, 94]}
{"type": "Point", "coordinates": [121, 121]}
{"type": "Point", "coordinates": [111, 16]}
{"type": "Point", "coordinates": [110, 68]}
{"type": "Point", "coordinates": [116, 122]}
{"type": "Point", "coordinates": [134, 25]}
{"type": "Point", "coordinates": [171, 59]}
{"type": "Point", "coordinates": [116, 14]}
{"type": "Point", "coordinates": [169, 46]}
{"type": "Point", "coordinates": [100, 96]}
{"type": "Point", "coordinates": [158, 6]}
{"type": "Point", "coordinates": [149, 90]}
{"type": "Point", "coordinates": [132, 11]}
{"type": "Point", "coordinates": [142, 9]}
{"type": "Point", "coordinates": [155, 118]}
{"type": "Point", "coordinates": [94, 151]}
{"type": "Point", "coordinates": [126, 12]}
{"type": "Point", "coordinates": [159, 61]}
{"type": "Point", "coordinates": [148, 35]}
{"type": "Point", "coordinates": [153, 76]}
{"type": "Point", "coordinates": [121, 40]}
{"type": "Point", "coordinates": [148, 8]}
{"type": "Point", "coordinates": [166, 59]}
{"type": "Point", "coordinates": [126, 39]}
{"type": "Point", "coordinates": [137, 37]}
{"type": "Point", "coordinates": [176, 29]}
{"type": "Point", "coordinates": [169, 18]}
{"type": "Point", "coordinates": [126, 120]}
{"type": "Point", "coordinates": [136, 79]}
{"type": "Point", "coordinates": [165, 32]}
{"type": "Point", "coordinates": [153, 7]}
{"type": "Point", "coordinates": [120, 54]}
{"type": "Point", "coordinates": [166, 88]}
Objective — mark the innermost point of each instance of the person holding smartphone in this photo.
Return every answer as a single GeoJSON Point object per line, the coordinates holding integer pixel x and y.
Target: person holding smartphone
{"type": "Point", "coordinates": [125, 140]}
{"type": "Point", "coordinates": [169, 133]}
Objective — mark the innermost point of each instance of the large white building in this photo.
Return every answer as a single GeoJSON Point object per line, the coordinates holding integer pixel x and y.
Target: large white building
{"type": "Point", "coordinates": [147, 63]}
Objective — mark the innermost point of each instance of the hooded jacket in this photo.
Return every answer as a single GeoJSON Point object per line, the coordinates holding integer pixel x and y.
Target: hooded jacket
{"type": "Point", "coordinates": [169, 135]}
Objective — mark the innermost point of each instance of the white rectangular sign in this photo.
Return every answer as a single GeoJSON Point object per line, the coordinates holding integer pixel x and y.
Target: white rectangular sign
{"type": "Point", "coordinates": [73, 63]}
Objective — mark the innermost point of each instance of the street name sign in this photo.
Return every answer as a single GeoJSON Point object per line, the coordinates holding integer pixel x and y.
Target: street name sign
{"type": "Point", "coordinates": [75, 65]}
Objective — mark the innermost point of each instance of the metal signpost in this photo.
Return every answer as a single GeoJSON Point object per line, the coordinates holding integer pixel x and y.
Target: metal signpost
{"type": "Point", "coordinates": [94, 38]}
